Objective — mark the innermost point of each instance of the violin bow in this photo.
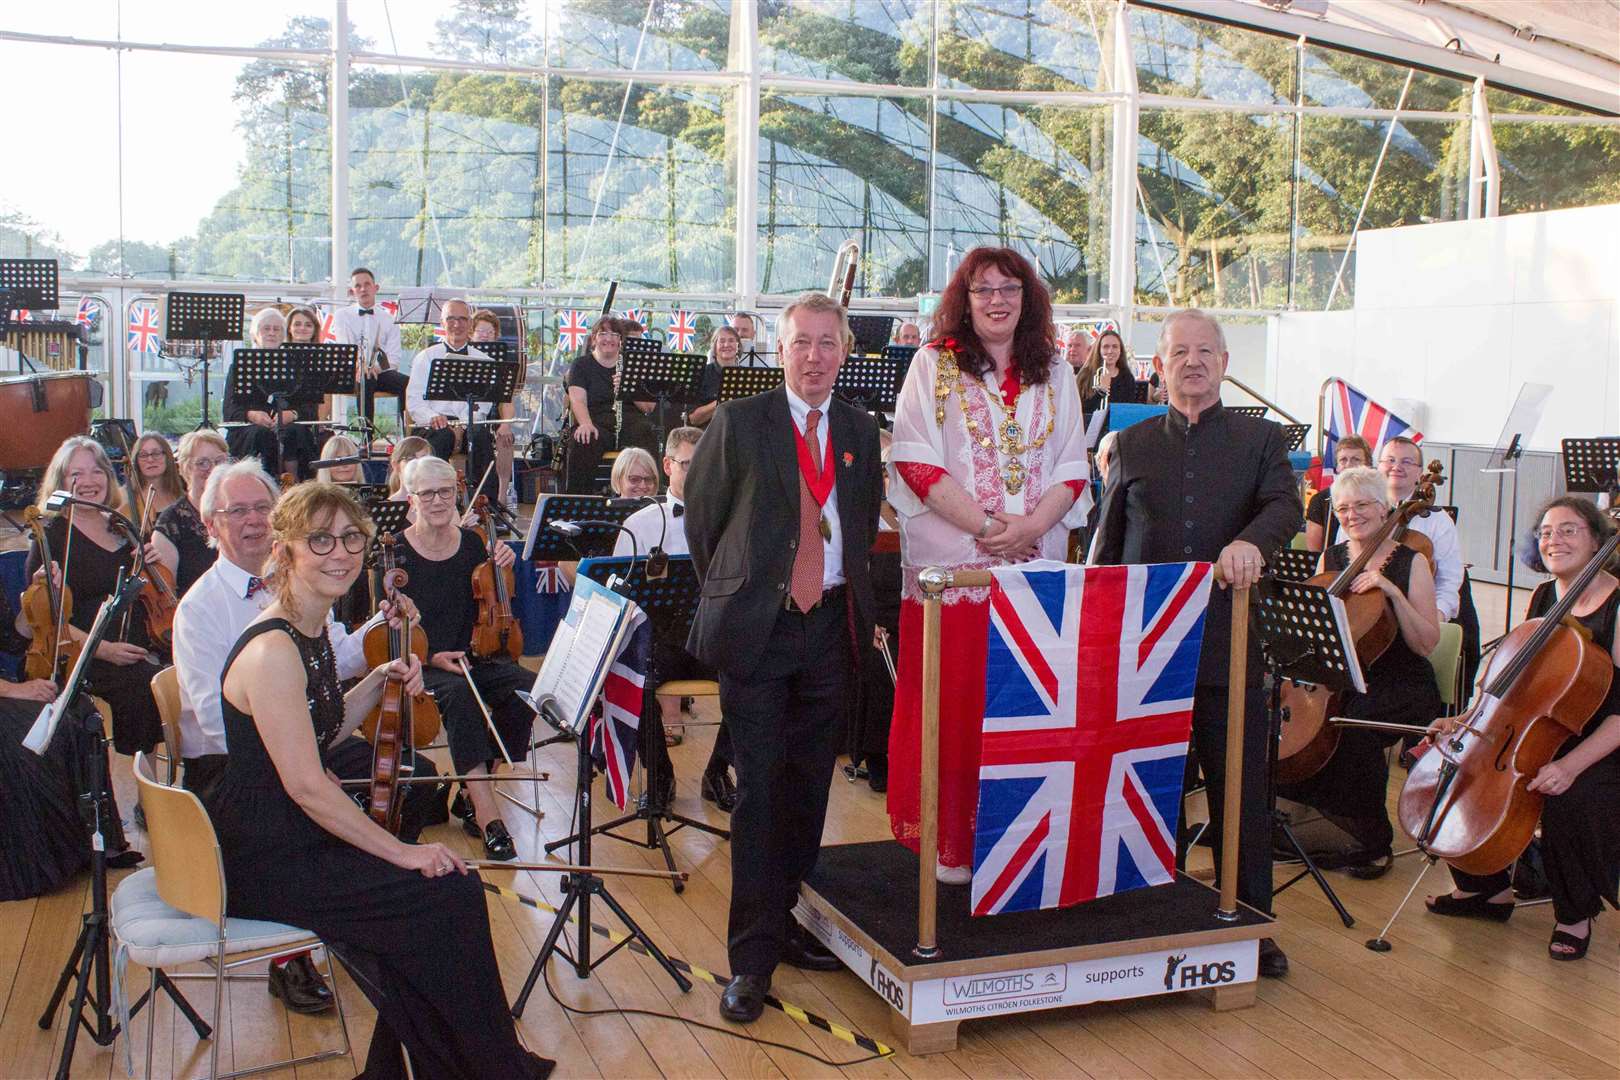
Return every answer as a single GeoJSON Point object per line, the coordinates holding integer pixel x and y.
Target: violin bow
{"type": "Point", "coordinates": [489, 720]}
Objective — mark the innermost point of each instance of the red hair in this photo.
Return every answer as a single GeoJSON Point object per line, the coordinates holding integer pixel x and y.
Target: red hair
{"type": "Point", "coordinates": [1033, 340]}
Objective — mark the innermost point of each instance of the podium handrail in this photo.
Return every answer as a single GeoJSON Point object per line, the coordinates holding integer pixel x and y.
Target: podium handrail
{"type": "Point", "coordinates": [934, 581]}
{"type": "Point", "coordinates": [1261, 398]}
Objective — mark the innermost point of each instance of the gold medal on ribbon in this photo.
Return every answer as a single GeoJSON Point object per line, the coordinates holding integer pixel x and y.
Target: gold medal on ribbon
{"type": "Point", "coordinates": [826, 528]}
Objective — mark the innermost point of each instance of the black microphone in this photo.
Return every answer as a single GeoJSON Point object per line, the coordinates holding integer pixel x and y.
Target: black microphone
{"type": "Point", "coordinates": [335, 463]}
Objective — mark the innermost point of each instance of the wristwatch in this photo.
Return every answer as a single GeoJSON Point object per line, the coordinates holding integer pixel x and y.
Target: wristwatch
{"type": "Point", "coordinates": [984, 529]}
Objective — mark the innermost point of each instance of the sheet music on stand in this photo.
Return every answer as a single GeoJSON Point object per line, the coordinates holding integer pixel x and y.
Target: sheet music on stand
{"type": "Point", "coordinates": [586, 641]}
{"type": "Point", "coordinates": [1308, 632]}
{"type": "Point", "coordinates": [1521, 424]}
{"type": "Point", "coordinates": [647, 372]}
{"type": "Point", "coordinates": [471, 381]}
{"type": "Point", "coordinates": [1591, 465]}
{"type": "Point", "coordinates": [872, 333]}
{"type": "Point", "coordinates": [741, 382]}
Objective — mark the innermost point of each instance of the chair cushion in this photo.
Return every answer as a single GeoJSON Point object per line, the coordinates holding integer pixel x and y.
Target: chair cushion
{"type": "Point", "coordinates": [158, 935]}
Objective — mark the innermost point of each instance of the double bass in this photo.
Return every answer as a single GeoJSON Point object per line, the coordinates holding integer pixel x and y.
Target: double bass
{"type": "Point", "coordinates": [495, 632]}
{"type": "Point", "coordinates": [399, 721]}
{"type": "Point", "coordinates": [1467, 798]}
{"type": "Point", "coordinates": [1308, 738]}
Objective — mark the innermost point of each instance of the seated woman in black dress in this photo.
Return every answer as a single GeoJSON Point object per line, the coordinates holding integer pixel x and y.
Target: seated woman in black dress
{"type": "Point", "coordinates": [1352, 788]}
{"type": "Point", "coordinates": [1580, 821]}
{"type": "Point", "coordinates": [181, 538]}
{"type": "Point", "coordinates": [155, 478]}
{"type": "Point", "coordinates": [254, 430]}
{"type": "Point", "coordinates": [406, 919]}
{"type": "Point", "coordinates": [121, 670]}
{"type": "Point", "coordinates": [440, 557]}
{"type": "Point", "coordinates": [591, 430]}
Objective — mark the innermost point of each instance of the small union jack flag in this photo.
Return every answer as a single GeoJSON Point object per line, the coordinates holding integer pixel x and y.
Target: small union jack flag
{"type": "Point", "coordinates": [549, 579]}
{"type": "Point", "coordinates": [1352, 412]}
{"type": "Point", "coordinates": [1089, 676]}
{"type": "Point", "coordinates": [390, 306]}
{"type": "Point", "coordinates": [682, 330]}
{"type": "Point", "coordinates": [22, 315]}
{"type": "Point", "coordinates": [573, 327]}
{"type": "Point", "coordinates": [620, 716]}
{"type": "Point", "coordinates": [328, 330]}
{"type": "Point", "coordinates": [86, 314]}
{"type": "Point", "coordinates": [143, 329]}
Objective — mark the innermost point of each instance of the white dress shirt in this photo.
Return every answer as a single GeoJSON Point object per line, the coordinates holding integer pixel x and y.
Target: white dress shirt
{"type": "Point", "coordinates": [370, 332]}
{"type": "Point", "coordinates": [416, 403]}
{"type": "Point", "coordinates": [832, 566]}
{"type": "Point", "coordinates": [651, 524]}
{"type": "Point", "coordinates": [1448, 564]}
{"type": "Point", "coordinates": [210, 618]}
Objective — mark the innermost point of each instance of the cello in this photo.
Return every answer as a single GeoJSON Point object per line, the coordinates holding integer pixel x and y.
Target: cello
{"type": "Point", "coordinates": [495, 632]}
{"type": "Point", "coordinates": [1467, 799]}
{"type": "Point", "coordinates": [1308, 738]}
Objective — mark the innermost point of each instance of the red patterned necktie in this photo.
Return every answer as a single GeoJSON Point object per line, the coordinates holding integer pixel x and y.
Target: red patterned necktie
{"type": "Point", "coordinates": [810, 558]}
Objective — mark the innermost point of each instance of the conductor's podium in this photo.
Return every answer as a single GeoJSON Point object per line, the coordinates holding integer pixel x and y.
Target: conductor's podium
{"type": "Point", "coordinates": [861, 901]}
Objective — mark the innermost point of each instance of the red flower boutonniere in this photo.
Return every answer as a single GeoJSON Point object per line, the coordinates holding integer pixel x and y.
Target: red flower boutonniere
{"type": "Point", "coordinates": [849, 459]}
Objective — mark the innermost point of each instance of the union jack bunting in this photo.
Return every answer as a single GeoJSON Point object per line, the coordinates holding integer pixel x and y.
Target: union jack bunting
{"type": "Point", "coordinates": [1352, 412]}
{"type": "Point", "coordinates": [390, 306]}
{"type": "Point", "coordinates": [682, 330]}
{"type": "Point", "coordinates": [620, 715]}
{"type": "Point", "coordinates": [22, 315]}
{"type": "Point", "coordinates": [143, 329]}
{"type": "Point", "coordinates": [328, 331]}
{"type": "Point", "coordinates": [86, 314]}
{"type": "Point", "coordinates": [1089, 677]}
{"type": "Point", "coordinates": [640, 315]}
{"type": "Point", "coordinates": [573, 327]}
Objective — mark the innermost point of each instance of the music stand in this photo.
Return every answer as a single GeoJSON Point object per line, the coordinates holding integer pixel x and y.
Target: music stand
{"type": "Point", "coordinates": [1292, 564]}
{"type": "Point", "coordinates": [425, 306]}
{"type": "Point", "coordinates": [870, 383]}
{"type": "Point", "coordinates": [1305, 636]}
{"type": "Point", "coordinates": [1256, 411]}
{"type": "Point", "coordinates": [263, 376]}
{"type": "Point", "coordinates": [646, 371]}
{"type": "Point", "coordinates": [1294, 435]}
{"type": "Point", "coordinates": [872, 333]}
{"type": "Point", "coordinates": [469, 380]}
{"type": "Point", "coordinates": [504, 351]}
{"type": "Point", "coordinates": [741, 382]}
{"type": "Point", "coordinates": [1592, 465]}
{"type": "Point", "coordinates": [30, 283]}
{"type": "Point", "coordinates": [204, 317]}
{"type": "Point", "coordinates": [670, 602]}
{"type": "Point", "coordinates": [599, 524]}
{"type": "Point", "coordinates": [1521, 424]}
{"type": "Point", "coordinates": [902, 353]}
{"type": "Point", "coordinates": [390, 516]}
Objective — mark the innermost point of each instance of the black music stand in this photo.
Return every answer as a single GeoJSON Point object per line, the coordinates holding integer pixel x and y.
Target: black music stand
{"type": "Point", "coordinates": [206, 318]}
{"type": "Point", "coordinates": [1304, 636]}
{"type": "Point", "coordinates": [870, 383]}
{"type": "Point", "coordinates": [598, 520]}
{"type": "Point", "coordinates": [741, 382]}
{"type": "Point", "coordinates": [902, 354]}
{"type": "Point", "coordinates": [264, 375]}
{"type": "Point", "coordinates": [872, 333]}
{"type": "Point", "coordinates": [1292, 564]}
{"type": "Point", "coordinates": [1592, 465]}
{"type": "Point", "coordinates": [471, 379]}
{"type": "Point", "coordinates": [646, 371]}
{"type": "Point", "coordinates": [1256, 411]}
{"type": "Point", "coordinates": [670, 602]}
{"type": "Point", "coordinates": [26, 285]}
{"type": "Point", "coordinates": [1294, 435]}
{"type": "Point", "coordinates": [389, 516]}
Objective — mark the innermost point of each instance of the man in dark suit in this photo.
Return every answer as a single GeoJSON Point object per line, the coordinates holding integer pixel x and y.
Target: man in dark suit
{"type": "Point", "coordinates": [1207, 484]}
{"type": "Point", "coordinates": [784, 495]}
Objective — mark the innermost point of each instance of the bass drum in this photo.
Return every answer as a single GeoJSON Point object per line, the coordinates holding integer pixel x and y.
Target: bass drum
{"type": "Point", "coordinates": [37, 412]}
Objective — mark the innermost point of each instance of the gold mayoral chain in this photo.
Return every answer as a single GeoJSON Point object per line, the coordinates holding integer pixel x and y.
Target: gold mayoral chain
{"type": "Point", "coordinates": [949, 379]}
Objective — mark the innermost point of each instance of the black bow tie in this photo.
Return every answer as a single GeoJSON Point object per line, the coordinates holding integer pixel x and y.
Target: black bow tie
{"type": "Point", "coordinates": [677, 510]}
{"type": "Point", "coordinates": [367, 311]}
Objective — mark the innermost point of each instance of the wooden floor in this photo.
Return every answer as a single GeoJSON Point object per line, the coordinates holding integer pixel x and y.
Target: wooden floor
{"type": "Point", "coordinates": [1454, 999]}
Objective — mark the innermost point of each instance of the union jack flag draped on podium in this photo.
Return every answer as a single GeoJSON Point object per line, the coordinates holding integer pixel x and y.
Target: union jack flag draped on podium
{"type": "Point", "coordinates": [614, 726]}
{"type": "Point", "coordinates": [1089, 678]}
{"type": "Point", "coordinates": [1352, 412]}
{"type": "Point", "coordinates": [573, 327]}
{"type": "Point", "coordinates": [682, 329]}
{"type": "Point", "coordinates": [143, 329]}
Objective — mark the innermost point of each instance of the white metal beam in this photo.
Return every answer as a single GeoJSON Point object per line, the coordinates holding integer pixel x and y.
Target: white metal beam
{"type": "Point", "coordinates": [1122, 202]}
{"type": "Point", "coordinates": [337, 103]}
{"type": "Point", "coordinates": [745, 47]}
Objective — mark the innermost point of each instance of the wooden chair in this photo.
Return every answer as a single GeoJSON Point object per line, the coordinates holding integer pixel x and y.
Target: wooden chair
{"type": "Point", "coordinates": [166, 692]}
{"type": "Point", "coordinates": [173, 913]}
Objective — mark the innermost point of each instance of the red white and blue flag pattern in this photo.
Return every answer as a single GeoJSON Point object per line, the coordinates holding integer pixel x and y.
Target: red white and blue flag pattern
{"type": "Point", "coordinates": [143, 329]}
{"type": "Point", "coordinates": [640, 315]}
{"type": "Point", "coordinates": [1089, 678]}
{"type": "Point", "coordinates": [86, 314]}
{"type": "Point", "coordinates": [573, 328]}
{"type": "Point", "coordinates": [614, 727]}
{"type": "Point", "coordinates": [1350, 412]}
{"type": "Point", "coordinates": [682, 330]}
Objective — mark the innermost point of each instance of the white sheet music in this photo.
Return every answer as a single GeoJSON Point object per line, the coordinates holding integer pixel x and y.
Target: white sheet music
{"type": "Point", "coordinates": [584, 645]}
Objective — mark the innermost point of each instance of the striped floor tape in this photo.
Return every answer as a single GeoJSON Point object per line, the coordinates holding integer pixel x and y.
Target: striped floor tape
{"type": "Point", "coordinates": [803, 1016]}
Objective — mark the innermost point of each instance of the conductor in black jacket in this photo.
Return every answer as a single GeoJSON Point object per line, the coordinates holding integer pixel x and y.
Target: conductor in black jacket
{"type": "Point", "coordinates": [1207, 484]}
{"type": "Point", "coordinates": [784, 494]}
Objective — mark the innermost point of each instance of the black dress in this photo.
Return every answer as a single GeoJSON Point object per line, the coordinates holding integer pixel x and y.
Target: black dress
{"type": "Point", "coordinates": [1580, 829]}
{"type": "Point", "coordinates": [584, 458]}
{"type": "Point", "coordinates": [418, 947]}
{"type": "Point", "coordinates": [92, 573]}
{"type": "Point", "coordinates": [442, 591]}
{"type": "Point", "coordinates": [184, 528]}
{"type": "Point", "coordinates": [1352, 788]}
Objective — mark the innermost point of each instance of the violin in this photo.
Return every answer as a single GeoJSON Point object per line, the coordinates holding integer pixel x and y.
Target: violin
{"type": "Point", "coordinates": [158, 596]}
{"type": "Point", "coordinates": [1467, 799]}
{"type": "Point", "coordinates": [392, 722]}
{"type": "Point", "coordinates": [385, 642]}
{"type": "Point", "coordinates": [1308, 738]}
{"type": "Point", "coordinates": [495, 632]}
{"type": "Point", "coordinates": [49, 611]}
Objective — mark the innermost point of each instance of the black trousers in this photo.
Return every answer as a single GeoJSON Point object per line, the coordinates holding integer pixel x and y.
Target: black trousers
{"type": "Point", "coordinates": [480, 452]}
{"type": "Point", "coordinates": [128, 689]}
{"type": "Point", "coordinates": [387, 381]}
{"type": "Point", "coordinates": [1254, 822]}
{"type": "Point", "coordinates": [581, 461]}
{"type": "Point", "coordinates": [296, 442]}
{"type": "Point", "coordinates": [471, 743]}
{"type": "Point", "coordinates": [786, 718]}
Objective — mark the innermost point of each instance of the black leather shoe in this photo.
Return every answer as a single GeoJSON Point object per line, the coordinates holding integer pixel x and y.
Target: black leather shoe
{"type": "Point", "coordinates": [877, 772]}
{"type": "Point", "coordinates": [498, 843]}
{"type": "Point", "coordinates": [461, 806]}
{"type": "Point", "coordinates": [744, 998]}
{"type": "Point", "coordinates": [804, 950]}
{"type": "Point", "coordinates": [1273, 961]}
{"type": "Point", "coordinates": [300, 986]}
{"type": "Point", "coordinates": [718, 789]}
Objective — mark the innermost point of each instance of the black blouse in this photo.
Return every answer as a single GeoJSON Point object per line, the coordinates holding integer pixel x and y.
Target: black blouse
{"type": "Point", "coordinates": [597, 382]}
{"type": "Point", "coordinates": [184, 528]}
{"type": "Point", "coordinates": [442, 590]}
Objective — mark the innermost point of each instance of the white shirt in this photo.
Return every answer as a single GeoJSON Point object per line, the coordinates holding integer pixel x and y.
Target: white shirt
{"type": "Point", "coordinates": [370, 332]}
{"type": "Point", "coordinates": [1448, 564]}
{"type": "Point", "coordinates": [211, 616]}
{"type": "Point", "coordinates": [416, 403]}
{"type": "Point", "coordinates": [651, 523]}
{"type": "Point", "coordinates": [832, 565]}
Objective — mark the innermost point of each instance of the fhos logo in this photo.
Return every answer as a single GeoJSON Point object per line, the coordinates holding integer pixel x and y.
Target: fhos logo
{"type": "Point", "coordinates": [1214, 973]}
